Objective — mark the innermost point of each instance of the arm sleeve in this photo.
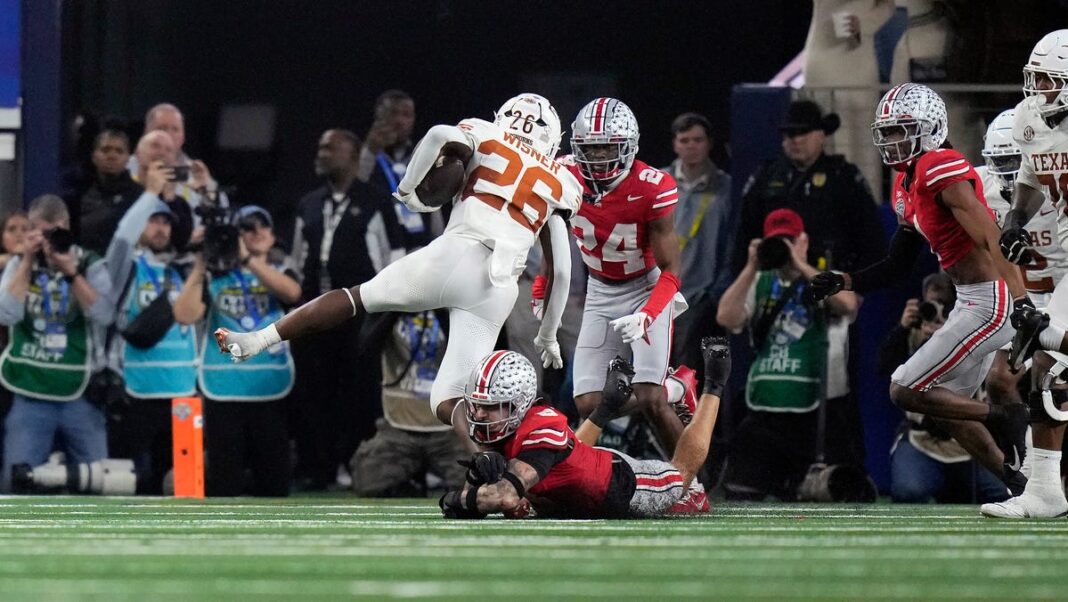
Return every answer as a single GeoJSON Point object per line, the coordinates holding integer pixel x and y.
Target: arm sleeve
{"type": "Point", "coordinates": [102, 311]}
{"type": "Point", "coordinates": [542, 460]}
{"type": "Point", "coordinates": [904, 247]}
{"type": "Point", "coordinates": [11, 309]}
{"type": "Point", "coordinates": [120, 253]}
{"type": "Point", "coordinates": [554, 310]}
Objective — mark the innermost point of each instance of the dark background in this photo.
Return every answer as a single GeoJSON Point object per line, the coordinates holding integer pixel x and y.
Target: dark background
{"type": "Point", "coordinates": [323, 63]}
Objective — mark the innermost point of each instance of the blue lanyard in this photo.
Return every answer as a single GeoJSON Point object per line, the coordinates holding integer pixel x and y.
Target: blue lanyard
{"type": "Point", "coordinates": [428, 350]}
{"type": "Point", "coordinates": [152, 276]}
{"type": "Point", "coordinates": [387, 168]}
{"type": "Point", "coordinates": [250, 302]}
{"type": "Point", "coordinates": [46, 298]}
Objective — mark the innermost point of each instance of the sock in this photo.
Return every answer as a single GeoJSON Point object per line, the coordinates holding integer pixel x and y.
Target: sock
{"type": "Point", "coordinates": [675, 390]}
{"type": "Point", "coordinates": [1052, 337]}
{"type": "Point", "coordinates": [1046, 469]}
{"type": "Point", "coordinates": [1029, 459]}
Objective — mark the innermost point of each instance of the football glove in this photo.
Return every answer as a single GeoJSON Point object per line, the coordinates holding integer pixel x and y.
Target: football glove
{"type": "Point", "coordinates": [1016, 246]}
{"type": "Point", "coordinates": [633, 327]}
{"type": "Point", "coordinates": [550, 352]}
{"type": "Point", "coordinates": [484, 467]}
{"type": "Point", "coordinates": [717, 355]}
{"type": "Point", "coordinates": [825, 284]}
{"type": "Point", "coordinates": [1022, 310]}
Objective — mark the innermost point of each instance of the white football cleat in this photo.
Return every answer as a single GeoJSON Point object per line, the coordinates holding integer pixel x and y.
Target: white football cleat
{"type": "Point", "coordinates": [1028, 505]}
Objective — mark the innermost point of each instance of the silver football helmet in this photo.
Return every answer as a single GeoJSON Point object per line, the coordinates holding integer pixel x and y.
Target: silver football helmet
{"type": "Point", "coordinates": [1046, 71]}
{"type": "Point", "coordinates": [500, 390]}
{"type": "Point", "coordinates": [1000, 150]}
{"type": "Point", "coordinates": [604, 122]}
{"type": "Point", "coordinates": [534, 120]}
{"type": "Point", "coordinates": [909, 120]}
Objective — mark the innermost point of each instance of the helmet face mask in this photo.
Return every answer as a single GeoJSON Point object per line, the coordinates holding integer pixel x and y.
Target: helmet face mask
{"type": "Point", "coordinates": [532, 119]}
{"type": "Point", "coordinates": [500, 390]}
{"type": "Point", "coordinates": [1000, 150]}
{"type": "Point", "coordinates": [1046, 73]}
{"type": "Point", "coordinates": [602, 126]}
{"type": "Point", "coordinates": [909, 121]}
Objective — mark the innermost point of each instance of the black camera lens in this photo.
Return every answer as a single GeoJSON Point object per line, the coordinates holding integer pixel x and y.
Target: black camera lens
{"type": "Point", "coordinates": [60, 239]}
{"type": "Point", "coordinates": [930, 312]}
{"type": "Point", "coordinates": [772, 254]}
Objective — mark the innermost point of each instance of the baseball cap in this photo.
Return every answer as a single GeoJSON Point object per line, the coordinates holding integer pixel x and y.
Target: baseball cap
{"type": "Point", "coordinates": [162, 208]}
{"type": "Point", "coordinates": [253, 211]}
{"type": "Point", "coordinates": [783, 222]}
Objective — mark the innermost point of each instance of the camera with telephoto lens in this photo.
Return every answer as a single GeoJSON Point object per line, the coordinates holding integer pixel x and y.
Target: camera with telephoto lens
{"type": "Point", "coordinates": [104, 477]}
{"type": "Point", "coordinates": [772, 254]}
{"type": "Point", "coordinates": [220, 246]}
{"type": "Point", "coordinates": [930, 311]}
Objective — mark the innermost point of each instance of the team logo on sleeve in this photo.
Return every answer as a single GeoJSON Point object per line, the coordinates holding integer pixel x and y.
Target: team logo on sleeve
{"type": "Point", "coordinates": [1029, 133]}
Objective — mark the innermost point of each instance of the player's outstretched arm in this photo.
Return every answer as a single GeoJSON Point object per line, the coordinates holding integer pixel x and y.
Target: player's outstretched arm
{"type": "Point", "coordinates": [555, 248]}
{"type": "Point", "coordinates": [905, 246]}
{"type": "Point", "coordinates": [503, 495]}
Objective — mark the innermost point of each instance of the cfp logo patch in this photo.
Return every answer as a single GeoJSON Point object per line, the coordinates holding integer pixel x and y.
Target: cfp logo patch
{"type": "Point", "coordinates": [1029, 133]}
{"type": "Point", "coordinates": [182, 411]}
{"type": "Point", "coordinates": [899, 204]}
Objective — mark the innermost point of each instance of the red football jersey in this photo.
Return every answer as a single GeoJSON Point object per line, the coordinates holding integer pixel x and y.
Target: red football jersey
{"type": "Point", "coordinates": [917, 203]}
{"type": "Point", "coordinates": [612, 232]}
{"type": "Point", "coordinates": [578, 484]}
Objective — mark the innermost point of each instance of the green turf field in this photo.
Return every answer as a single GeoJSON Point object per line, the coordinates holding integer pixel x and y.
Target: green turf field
{"type": "Point", "coordinates": [54, 548]}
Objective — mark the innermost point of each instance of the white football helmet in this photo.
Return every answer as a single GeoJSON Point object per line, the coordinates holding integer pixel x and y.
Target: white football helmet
{"type": "Point", "coordinates": [500, 390]}
{"type": "Point", "coordinates": [909, 120]}
{"type": "Point", "coordinates": [1000, 150]}
{"type": "Point", "coordinates": [604, 121]}
{"type": "Point", "coordinates": [1047, 71]}
{"type": "Point", "coordinates": [534, 120]}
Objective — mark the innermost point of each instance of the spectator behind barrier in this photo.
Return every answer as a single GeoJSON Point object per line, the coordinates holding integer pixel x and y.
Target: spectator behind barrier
{"type": "Point", "coordinates": [776, 442]}
{"type": "Point", "coordinates": [55, 297]}
{"type": "Point", "coordinates": [96, 213]}
{"type": "Point", "coordinates": [384, 158]}
{"type": "Point", "coordinates": [926, 463]}
{"type": "Point", "coordinates": [703, 224]}
{"type": "Point", "coordinates": [346, 231]}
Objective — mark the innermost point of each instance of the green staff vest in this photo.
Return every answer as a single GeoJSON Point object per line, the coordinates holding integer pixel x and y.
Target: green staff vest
{"type": "Point", "coordinates": [49, 353]}
{"type": "Point", "coordinates": [790, 363]}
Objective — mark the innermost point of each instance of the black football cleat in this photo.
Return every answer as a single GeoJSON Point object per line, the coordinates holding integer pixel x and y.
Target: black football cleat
{"type": "Point", "coordinates": [1025, 343]}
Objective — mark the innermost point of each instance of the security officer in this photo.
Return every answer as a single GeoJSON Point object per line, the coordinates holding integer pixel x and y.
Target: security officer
{"type": "Point", "coordinates": [829, 193]}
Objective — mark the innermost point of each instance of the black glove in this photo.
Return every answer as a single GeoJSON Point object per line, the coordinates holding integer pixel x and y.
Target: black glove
{"type": "Point", "coordinates": [452, 508]}
{"type": "Point", "coordinates": [1022, 309]}
{"type": "Point", "coordinates": [616, 392]}
{"type": "Point", "coordinates": [484, 467]}
{"type": "Point", "coordinates": [1016, 246]}
{"type": "Point", "coordinates": [824, 285]}
{"type": "Point", "coordinates": [717, 355]}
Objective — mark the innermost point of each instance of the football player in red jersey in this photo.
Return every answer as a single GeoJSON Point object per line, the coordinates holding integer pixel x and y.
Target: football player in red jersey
{"type": "Point", "coordinates": [626, 233]}
{"type": "Point", "coordinates": [532, 459]}
{"type": "Point", "coordinates": [938, 196]}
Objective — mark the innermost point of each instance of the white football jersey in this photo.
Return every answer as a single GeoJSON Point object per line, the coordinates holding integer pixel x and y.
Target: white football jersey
{"type": "Point", "coordinates": [509, 191]}
{"type": "Point", "coordinates": [1044, 167]}
{"type": "Point", "coordinates": [1050, 258]}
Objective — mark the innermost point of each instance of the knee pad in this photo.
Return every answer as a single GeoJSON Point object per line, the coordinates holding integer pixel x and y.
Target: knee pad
{"type": "Point", "coordinates": [1045, 406]}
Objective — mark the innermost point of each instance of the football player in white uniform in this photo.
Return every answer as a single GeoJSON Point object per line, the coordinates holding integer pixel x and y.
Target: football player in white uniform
{"type": "Point", "coordinates": [1048, 261]}
{"type": "Point", "coordinates": [512, 187]}
{"type": "Point", "coordinates": [1041, 130]}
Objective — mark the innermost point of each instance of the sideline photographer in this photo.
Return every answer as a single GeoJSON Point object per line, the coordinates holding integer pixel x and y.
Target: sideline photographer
{"type": "Point", "coordinates": [240, 287]}
{"type": "Point", "coordinates": [926, 464]}
{"type": "Point", "coordinates": [58, 299]}
{"type": "Point", "coordinates": [776, 442]}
